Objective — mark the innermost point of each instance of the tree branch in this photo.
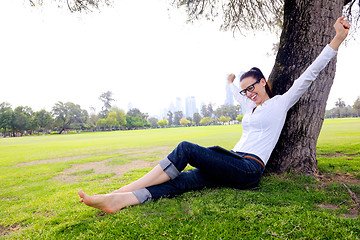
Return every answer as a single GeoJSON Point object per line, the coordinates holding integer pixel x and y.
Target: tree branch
{"type": "Point", "coordinates": [353, 196]}
{"type": "Point", "coordinates": [32, 3]}
{"type": "Point", "coordinates": [67, 1]}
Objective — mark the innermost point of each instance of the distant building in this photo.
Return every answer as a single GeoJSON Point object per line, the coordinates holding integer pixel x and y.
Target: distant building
{"type": "Point", "coordinates": [238, 79]}
{"type": "Point", "coordinates": [190, 106]}
{"type": "Point", "coordinates": [172, 107]}
{"type": "Point", "coordinates": [179, 106]}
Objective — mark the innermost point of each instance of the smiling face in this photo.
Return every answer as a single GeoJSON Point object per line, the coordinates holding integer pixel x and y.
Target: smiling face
{"type": "Point", "coordinates": [258, 94]}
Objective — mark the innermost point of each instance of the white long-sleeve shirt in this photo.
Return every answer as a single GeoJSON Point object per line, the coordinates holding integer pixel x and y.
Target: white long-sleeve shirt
{"type": "Point", "coordinates": [262, 127]}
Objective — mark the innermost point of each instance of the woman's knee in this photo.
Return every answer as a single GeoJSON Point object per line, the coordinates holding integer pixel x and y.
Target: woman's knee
{"type": "Point", "coordinates": [185, 144]}
{"type": "Point", "coordinates": [181, 151]}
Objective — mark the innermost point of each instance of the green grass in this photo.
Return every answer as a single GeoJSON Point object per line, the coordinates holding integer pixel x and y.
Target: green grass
{"type": "Point", "coordinates": [85, 172]}
{"type": "Point", "coordinates": [340, 136]}
{"type": "Point", "coordinates": [98, 176]}
{"type": "Point", "coordinates": [34, 206]}
{"type": "Point", "coordinates": [339, 146]}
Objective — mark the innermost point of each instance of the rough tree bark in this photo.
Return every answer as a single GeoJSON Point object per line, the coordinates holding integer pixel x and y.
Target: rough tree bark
{"type": "Point", "coordinates": [308, 27]}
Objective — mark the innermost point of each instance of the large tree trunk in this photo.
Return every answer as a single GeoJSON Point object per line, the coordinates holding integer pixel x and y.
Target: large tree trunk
{"type": "Point", "coordinates": [308, 27]}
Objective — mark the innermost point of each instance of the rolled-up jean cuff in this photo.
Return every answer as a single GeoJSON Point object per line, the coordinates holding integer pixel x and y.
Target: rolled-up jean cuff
{"type": "Point", "coordinates": [143, 195]}
{"type": "Point", "coordinates": [169, 168]}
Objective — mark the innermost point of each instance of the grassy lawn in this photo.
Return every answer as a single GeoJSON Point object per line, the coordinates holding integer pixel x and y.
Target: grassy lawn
{"type": "Point", "coordinates": [40, 177]}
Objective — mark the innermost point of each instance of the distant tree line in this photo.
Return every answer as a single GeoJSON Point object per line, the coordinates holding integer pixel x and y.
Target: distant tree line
{"type": "Point", "coordinates": [70, 117]}
{"type": "Point", "coordinates": [341, 110]}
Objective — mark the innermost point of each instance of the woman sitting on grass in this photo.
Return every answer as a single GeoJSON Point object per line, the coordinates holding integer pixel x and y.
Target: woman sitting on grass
{"type": "Point", "coordinates": [264, 117]}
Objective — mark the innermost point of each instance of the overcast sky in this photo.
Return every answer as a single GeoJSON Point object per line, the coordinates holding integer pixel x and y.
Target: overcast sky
{"type": "Point", "coordinates": [141, 51]}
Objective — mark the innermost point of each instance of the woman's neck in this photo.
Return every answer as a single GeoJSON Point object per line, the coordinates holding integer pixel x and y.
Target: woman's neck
{"type": "Point", "coordinates": [265, 99]}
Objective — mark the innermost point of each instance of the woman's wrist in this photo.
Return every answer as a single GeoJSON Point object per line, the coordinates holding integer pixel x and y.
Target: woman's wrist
{"type": "Point", "coordinates": [336, 42]}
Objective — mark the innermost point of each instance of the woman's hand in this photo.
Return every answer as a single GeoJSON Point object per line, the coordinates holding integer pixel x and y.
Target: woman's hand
{"type": "Point", "coordinates": [342, 28]}
{"type": "Point", "coordinates": [231, 78]}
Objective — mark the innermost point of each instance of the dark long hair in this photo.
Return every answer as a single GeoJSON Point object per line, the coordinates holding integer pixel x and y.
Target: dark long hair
{"type": "Point", "coordinates": [257, 74]}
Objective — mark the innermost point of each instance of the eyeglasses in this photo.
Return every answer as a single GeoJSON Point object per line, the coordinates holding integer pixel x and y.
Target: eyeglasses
{"type": "Point", "coordinates": [249, 88]}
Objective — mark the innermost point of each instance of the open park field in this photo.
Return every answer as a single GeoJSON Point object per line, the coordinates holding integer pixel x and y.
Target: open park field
{"type": "Point", "coordinates": [40, 177]}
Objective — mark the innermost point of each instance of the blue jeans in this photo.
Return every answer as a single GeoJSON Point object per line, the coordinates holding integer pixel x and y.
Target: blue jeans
{"type": "Point", "coordinates": [212, 169]}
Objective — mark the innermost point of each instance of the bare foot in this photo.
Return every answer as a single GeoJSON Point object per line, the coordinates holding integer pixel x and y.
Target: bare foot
{"type": "Point", "coordinates": [109, 203]}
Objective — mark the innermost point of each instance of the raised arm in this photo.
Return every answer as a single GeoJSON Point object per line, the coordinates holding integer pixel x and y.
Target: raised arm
{"type": "Point", "coordinates": [305, 80]}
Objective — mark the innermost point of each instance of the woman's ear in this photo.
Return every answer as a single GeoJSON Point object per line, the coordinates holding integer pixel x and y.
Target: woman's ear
{"type": "Point", "coordinates": [263, 82]}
